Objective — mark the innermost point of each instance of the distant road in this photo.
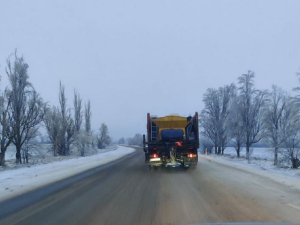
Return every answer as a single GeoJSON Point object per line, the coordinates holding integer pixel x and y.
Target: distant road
{"type": "Point", "coordinates": [126, 192]}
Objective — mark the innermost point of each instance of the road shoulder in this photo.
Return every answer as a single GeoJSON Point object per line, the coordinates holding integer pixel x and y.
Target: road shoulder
{"type": "Point", "coordinates": [292, 182]}
{"type": "Point", "coordinates": [19, 181]}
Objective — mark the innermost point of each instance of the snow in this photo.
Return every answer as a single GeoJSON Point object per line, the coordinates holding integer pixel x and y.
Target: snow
{"type": "Point", "coordinates": [43, 154]}
{"type": "Point", "coordinates": [261, 163]}
{"type": "Point", "coordinates": [18, 181]}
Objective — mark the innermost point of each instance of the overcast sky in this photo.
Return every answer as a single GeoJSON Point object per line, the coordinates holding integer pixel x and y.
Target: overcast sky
{"type": "Point", "coordinates": [132, 57]}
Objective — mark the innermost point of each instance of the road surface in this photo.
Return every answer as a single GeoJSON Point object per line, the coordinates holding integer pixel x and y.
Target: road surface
{"type": "Point", "coordinates": [126, 192]}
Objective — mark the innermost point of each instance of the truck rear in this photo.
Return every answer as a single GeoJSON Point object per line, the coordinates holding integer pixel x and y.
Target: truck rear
{"type": "Point", "coordinates": [171, 141]}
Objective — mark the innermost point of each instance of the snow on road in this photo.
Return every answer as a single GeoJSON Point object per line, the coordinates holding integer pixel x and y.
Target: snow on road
{"type": "Point", "coordinates": [290, 177]}
{"type": "Point", "coordinates": [19, 181]}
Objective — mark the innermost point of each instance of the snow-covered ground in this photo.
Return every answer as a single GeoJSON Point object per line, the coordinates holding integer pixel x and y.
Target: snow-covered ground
{"type": "Point", "coordinates": [264, 159]}
{"type": "Point", "coordinates": [43, 153]}
{"type": "Point", "coordinates": [18, 181]}
{"type": "Point", "coordinates": [261, 163]}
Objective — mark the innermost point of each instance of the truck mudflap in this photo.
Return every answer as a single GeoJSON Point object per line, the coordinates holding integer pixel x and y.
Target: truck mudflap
{"type": "Point", "coordinates": [190, 161]}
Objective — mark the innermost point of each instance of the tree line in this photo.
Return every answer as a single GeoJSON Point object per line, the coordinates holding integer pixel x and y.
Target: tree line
{"type": "Point", "coordinates": [244, 115]}
{"type": "Point", "coordinates": [23, 111]}
{"type": "Point", "coordinates": [137, 139]}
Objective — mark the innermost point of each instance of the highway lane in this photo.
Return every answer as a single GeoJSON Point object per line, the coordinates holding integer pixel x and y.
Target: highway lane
{"type": "Point", "coordinates": [128, 193]}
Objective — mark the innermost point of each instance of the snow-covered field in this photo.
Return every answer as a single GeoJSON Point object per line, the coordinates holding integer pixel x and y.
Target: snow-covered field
{"type": "Point", "coordinates": [18, 181]}
{"type": "Point", "coordinates": [263, 158]}
{"type": "Point", "coordinates": [43, 153]}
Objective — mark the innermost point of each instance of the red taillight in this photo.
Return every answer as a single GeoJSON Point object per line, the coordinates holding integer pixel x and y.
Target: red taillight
{"type": "Point", "coordinates": [179, 144]}
{"type": "Point", "coordinates": [191, 155]}
{"type": "Point", "coordinates": [154, 156]}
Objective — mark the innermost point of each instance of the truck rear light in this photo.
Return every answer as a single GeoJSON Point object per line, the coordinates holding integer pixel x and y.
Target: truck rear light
{"type": "Point", "coordinates": [191, 155]}
{"type": "Point", "coordinates": [154, 156]}
{"type": "Point", "coordinates": [179, 144]}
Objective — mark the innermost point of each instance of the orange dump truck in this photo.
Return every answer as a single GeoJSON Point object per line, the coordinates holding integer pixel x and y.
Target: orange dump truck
{"type": "Point", "coordinates": [171, 141]}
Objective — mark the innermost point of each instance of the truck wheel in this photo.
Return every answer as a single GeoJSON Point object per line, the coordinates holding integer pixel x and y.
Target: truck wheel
{"type": "Point", "coordinates": [150, 167]}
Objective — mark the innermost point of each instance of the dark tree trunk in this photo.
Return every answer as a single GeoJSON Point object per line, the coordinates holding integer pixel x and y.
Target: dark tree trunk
{"type": "Point", "coordinates": [295, 161]}
{"type": "Point", "coordinates": [247, 151]}
{"type": "Point", "coordinates": [219, 150]}
{"type": "Point", "coordinates": [216, 149]}
{"type": "Point", "coordinates": [238, 150]}
{"type": "Point", "coordinates": [18, 154]}
{"type": "Point", "coordinates": [276, 156]}
{"type": "Point", "coordinates": [2, 159]}
{"type": "Point", "coordinates": [55, 149]}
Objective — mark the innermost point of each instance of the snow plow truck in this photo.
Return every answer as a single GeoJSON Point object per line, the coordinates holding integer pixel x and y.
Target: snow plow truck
{"type": "Point", "coordinates": [172, 141]}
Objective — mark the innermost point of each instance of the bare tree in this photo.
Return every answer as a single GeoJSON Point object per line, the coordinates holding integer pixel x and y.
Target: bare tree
{"type": "Point", "coordinates": [52, 122]}
{"type": "Point", "coordinates": [226, 94]}
{"type": "Point", "coordinates": [26, 105]}
{"type": "Point", "coordinates": [235, 124]}
{"type": "Point", "coordinates": [70, 132]}
{"type": "Point", "coordinates": [206, 145]}
{"type": "Point", "coordinates": [121, 141]}
{"type": "Point", "coordinates": [103, 136]}
{"type": "Point", "coordinates": [7, 133]}
{"type": "Point", "coordinates": [63, 113]}
{"type": "Point", "coordinates": [67, 131]}
{"type": "Point", "coordinates": [275, 108]}
{"type": "Point", "coordinates": [82, 141]}
{"type": "Point", "coordinates": [88, 130]}
{"type": "Point", "coordinates": [214, 116]}
{"type": "Point", "coordinates": [136, 140]}
{"type": "Point", "coordinates": [77, 111]}
{"type": "Point", "coordinates": [291, 132]}
{"type": "Point", "coordinates": [87, 116]}
{"type": "Point", "coordinates": [252, 101]}
{"type": "Point", "coordinates": [209, 126]}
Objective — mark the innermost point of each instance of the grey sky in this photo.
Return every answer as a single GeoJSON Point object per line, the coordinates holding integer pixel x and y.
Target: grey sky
{"type": "Point", "coordinates": [133, 57]}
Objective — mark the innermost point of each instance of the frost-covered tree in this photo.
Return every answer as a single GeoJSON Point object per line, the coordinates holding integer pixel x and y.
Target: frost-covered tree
{"type": "Point", "coordinates": [27, 106]}
{"type": "Point", "coordinates": [67, 131]}
{"type": "Point", "coordinates": [103, 136]}
{"type": "Point", "coordinates": [235, 124]}
{"type": "Point", "coordinates": [291, 132]}
{"type": "Point", "coordinates": [274, 111]}
{"type": "Point", "coordinates": [82, 141]}
{"type": "Point", "coordinates": [214, 116]}
{"type": "Point", "coordinates": [6, 132]}
{"type": "Point", "coordinates": [252, 103]}
{"type": "Point", "coordinates": [77, 111]}
{"type": "Point", "coordinates": [136, 140]}
{"type": "Point", "coordinates": [87, 116]}
{"type": "Point", "coordinates": [209, 128]}
{"type": "Point", "coordinates": [53, 123]}
{"type": "Point", "coordinates": [206, 144]}
{"type": "Point", "coordinates": [121, 141]}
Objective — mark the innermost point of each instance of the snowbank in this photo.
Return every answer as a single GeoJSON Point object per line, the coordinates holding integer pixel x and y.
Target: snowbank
{"type": "Point", "coordinates": [19, 181]}
{"type": "Point", "coordinates": [289, 177]}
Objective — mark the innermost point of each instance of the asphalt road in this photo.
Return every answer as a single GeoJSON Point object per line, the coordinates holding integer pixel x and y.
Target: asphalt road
{"type": "Point", "coordinates": [126, 192]}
